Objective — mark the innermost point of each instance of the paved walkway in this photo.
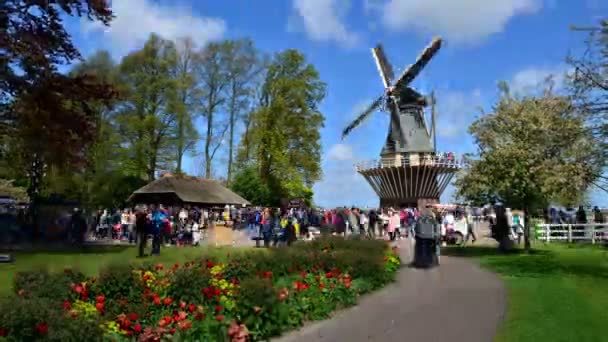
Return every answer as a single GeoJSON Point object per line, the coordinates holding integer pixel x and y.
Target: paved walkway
{"type": "Point", "coordinates": [456, 302]}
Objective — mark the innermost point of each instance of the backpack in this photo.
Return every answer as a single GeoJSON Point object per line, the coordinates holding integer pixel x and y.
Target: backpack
{"type": "Point", "coordinates": [258, 217]}
{"type": "Point", "coordinates": [426, 227]}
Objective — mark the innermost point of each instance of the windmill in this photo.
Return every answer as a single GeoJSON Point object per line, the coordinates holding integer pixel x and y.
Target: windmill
{"type": "Point", "coordinates": [408, 131]}
{"type": "Point", "coordinates": [411, 172]}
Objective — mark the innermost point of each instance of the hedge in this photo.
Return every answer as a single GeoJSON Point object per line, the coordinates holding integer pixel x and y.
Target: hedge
{"type": "Point", "coordinates": [248, 297]}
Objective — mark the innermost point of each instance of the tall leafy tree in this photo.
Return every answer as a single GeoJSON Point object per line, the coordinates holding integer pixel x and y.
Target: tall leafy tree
{"type": "Point", "coordinates": [185, 100]}
{"type": "Point", "coordinates": [46, 112]}
{"type": "Point", "coordinates": [531, 151]}
{"type": "Point", "coordinates": [147, 118]}
{"type": "Point", "coordinates": [285, 131]}
{"type": "Point", "coordinates": [243, 66]}
{"type": "Point", "coordinates": [213, 78]}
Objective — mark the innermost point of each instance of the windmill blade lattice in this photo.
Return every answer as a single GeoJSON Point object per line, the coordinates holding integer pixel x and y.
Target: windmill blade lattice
{"type": "Point", "coordinates": [384, 67]}
{"type": "Point", "coordinates": [364, 115]}
{"type": "Point", "coordinates": [413, 70]}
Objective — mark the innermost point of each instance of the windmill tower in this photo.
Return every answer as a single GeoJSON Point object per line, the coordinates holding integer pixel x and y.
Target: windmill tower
{"type": "Point", "coordinates": [410, 171]}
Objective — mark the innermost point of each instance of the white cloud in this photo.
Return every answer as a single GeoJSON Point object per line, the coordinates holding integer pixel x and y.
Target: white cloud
{"type": "Point", "coordinates": [459, 21]}
{"type": "Point", "coordinates": [136, 19]}
{"type": "Point", "coordinates": [323, 20]}
{"type": "Point", "coordinates": [340, 152]}
{"type": "Point", "coordinates": [532, 79]}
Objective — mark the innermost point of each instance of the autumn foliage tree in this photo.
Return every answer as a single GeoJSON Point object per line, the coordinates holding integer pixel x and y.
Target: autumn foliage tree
{"type": "Point", "coordinates": [531, 151]}
{"type": "Point", "coordinates": [46, 111]}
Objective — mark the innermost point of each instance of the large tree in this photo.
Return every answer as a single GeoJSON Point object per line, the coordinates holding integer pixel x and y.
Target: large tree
{"type": "Point", "coordinates": [530, 151]}
{"type": "Point", "coordinates": [243, 65]}
{"type": "Point", "coordinates": [147, 118]}
{"type": "Point", "coordinates": [185, 100]}
{"type": "Point", "coordinates": [284, 139]}
{"type": "Point", "coordinates": [213, 77]}
{"type": "Point", "coordinates": [589, 84]}
{"type": "Point", "coordinates": [46, 113]}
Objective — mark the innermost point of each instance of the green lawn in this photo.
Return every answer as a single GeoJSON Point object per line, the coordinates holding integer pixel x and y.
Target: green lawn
{"type": "Point", "coordinates": [556, 293]}
{"type": "Point", "coordinates": [92, 259]}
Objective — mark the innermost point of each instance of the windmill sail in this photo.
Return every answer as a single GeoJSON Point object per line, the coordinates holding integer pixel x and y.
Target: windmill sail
{"type": "Point", "coordinates": [384, 67]}
{"type": "Point", "coordinates": [413, 70]}
{"type": "Point", "coordinates": [369, 110]}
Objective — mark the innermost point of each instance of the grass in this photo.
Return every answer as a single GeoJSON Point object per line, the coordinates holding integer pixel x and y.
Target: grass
{"type": "Point", "coordinates": [90, 260]}
{"type": "Point", "coordinates": [556, 293]}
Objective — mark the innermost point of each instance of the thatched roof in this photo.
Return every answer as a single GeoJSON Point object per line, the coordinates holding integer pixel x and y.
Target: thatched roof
{"type": "Point", "coordinates": [186, 189]}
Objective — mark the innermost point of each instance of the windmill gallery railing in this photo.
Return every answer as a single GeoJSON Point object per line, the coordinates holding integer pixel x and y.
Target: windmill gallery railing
{"type": "Point", "coordinates": [413, 160]}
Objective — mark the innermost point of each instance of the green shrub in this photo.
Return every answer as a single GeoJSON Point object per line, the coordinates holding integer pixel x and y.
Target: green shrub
{"type": "Point", "coordinates": [42, 284]}
{"type": "Point", "coordinates": [187, 282]}
{"type": "Point", "coordinates": [30, 319]}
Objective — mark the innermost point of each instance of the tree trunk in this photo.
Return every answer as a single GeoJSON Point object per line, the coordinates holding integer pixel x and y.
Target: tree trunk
{"type": "Point", "coordinates": [208, 144]}
{"type": "Point", "coordinates": [527, 244]}
{"type": "Point", "coordinates": [180, 143]}
{"type": "Point", "coordinates": [231, 141]}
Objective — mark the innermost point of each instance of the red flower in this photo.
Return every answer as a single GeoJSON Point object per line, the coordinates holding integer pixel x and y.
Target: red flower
{"type": "Point", "coordinates": [172, 331]}
{"type": "Point", "coordinates": [219, 317]}
{"type": "Point", "coordinates": [137, 328]}
{"type": "Point", "coordinates": [78, 289]}
{"type": "Point", "coordinates": [180, 316]}
{"type": "Point", "coordinates": [101, 299]}
{"type": "Point", "coordinates": [329, 275]}
{"type": "Point", "coordinates": [133, 316]}
{"type": "Point", "coordinates": [191, 307]}
{"type": "Point", "coordinates": [67, 305]}
{"type": "Point", "coordinates": [99, 307]}
{"type": "Point", "coordinates": [167, 301]}
{"type": "Point", "coordinates": [321, 285]}
{"type": "Point", "coordinates": [159, 267]}
{"type": "Point", "coordinates": [234, 281]}
{"type": "Point", "coordinates": [185, 325]}
{"type": "Point", "coordinates": [42, 328]}
{"type": "Point", "coordinates": [218, 308]}
{"type": "Point", "coordinates": [182, 305]}
{"type": "Point", "coordinates": [210, 263]}
{"type": "Point", "coordinates": [156, 301]}
{"type": "Point", "coordinates": [165, 321]}
{"type": "Point", "coordinates": [199, 316]}
{"type": "Point", "coordinates": [176, 266]}
{"type": "Point", "coordinates": [3, 332]}
{"type": "Point", "coordinates": [85, 294]}
{"type": "Point", "coordinates": [125, 324]}
{"type": "Point", "coordinates": [303, 274]}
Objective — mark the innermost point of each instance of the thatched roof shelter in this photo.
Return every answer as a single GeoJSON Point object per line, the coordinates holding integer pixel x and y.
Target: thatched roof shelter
{"type": "Point", "coordinates": [171, 189]}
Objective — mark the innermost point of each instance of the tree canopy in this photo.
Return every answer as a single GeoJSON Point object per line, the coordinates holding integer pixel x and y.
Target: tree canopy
{"type": "Point", "coordinates": [284, 142]}
{"type": "Point", "coordinates": [531, 151]}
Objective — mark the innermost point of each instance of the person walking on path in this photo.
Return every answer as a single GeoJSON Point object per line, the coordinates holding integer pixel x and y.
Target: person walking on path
{"type": "Point", "coordinates": [393, 221]}
{"type": "Point", "coordinates": [140, 229]}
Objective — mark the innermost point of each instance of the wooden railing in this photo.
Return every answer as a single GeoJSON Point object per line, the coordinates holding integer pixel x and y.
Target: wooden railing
{"type": "Point", "coordinates": [593, 232]}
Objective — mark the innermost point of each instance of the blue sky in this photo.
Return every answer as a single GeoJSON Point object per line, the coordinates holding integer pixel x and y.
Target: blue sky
{"type": "Point", "coordinates": [521, 41]}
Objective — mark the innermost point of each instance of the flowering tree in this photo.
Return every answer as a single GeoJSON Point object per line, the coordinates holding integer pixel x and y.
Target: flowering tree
{"type": "Point", "coordinates": [530, 151]}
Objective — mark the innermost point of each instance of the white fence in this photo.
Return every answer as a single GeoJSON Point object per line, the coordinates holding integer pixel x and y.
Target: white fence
{"type": "Point", "coordinates": [594, 232]}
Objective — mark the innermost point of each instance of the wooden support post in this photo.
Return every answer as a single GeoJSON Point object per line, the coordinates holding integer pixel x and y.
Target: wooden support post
{"type": "Point", "coordinates": [569, 233]}
{"type": "Point", "coordinates": [547, 233]}
{"type": "Point", "coordinates": [592, 234]}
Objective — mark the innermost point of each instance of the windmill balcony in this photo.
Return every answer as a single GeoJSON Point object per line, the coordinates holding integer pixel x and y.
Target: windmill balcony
{"type": "Point", "coordinates": [418, 159]}
{"type": "Point", "coordinates": [413, 179]}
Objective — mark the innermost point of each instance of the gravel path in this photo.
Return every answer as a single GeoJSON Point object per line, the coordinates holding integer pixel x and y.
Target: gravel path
{"type": "Point", "coordinates": [455, 302]}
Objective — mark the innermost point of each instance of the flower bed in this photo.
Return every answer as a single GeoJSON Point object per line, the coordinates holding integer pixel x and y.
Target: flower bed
{"type": "Point", "coordinates": [253, 296]}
